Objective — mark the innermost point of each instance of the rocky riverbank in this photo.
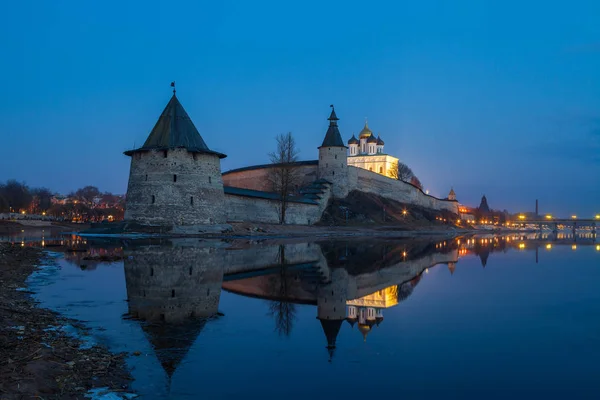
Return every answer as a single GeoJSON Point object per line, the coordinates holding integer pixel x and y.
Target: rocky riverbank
{"type": "Point", "coordinates": [39, 358]}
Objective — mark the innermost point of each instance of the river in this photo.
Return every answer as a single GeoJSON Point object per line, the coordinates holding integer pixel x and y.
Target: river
{"type": "Point", "coordinates": [471, 317]}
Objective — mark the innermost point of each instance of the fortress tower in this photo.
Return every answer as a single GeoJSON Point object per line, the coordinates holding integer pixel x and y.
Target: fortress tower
{"type": "Point", "coordinates": [333, 158]}
{"type": "Point", "coordinates": [175, 179]}
{"type": "Point", "coordinates": [452, 195]}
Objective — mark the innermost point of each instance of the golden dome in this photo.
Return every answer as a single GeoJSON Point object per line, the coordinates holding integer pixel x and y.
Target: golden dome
{"type": "Point", "coordinates": [366, 132]}
{"type": "Point", "coordinates": [364, 329]}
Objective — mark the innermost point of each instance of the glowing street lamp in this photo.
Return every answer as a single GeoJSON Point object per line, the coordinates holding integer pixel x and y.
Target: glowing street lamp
{"type": "Point", "coordinates": [548, 246]}
{"type": "Point", "coordinates": [521, 216]}
{"type": "Point", "coordinates": [574, 216]}
{"type": "Point", "coordinates": [548, 216]}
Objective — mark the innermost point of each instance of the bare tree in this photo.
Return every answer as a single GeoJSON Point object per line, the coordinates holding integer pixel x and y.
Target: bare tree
{"type": "Point", "coordinates": [87, 194]}
{"type": "Point", "coordinates": [16, 194]}
{"type": "Point", "coordinates": [401, 172]}
{"type": "Point", "coordinates": [282, 309]}
{"type": "Point", "coordinates": [283, 176]}
{"type": "Point", "coordinates": [42, 199]}
{"type": "Point", "coordinates": [3, 202]}
{"type": "Point", "coordinates": [416, 182]}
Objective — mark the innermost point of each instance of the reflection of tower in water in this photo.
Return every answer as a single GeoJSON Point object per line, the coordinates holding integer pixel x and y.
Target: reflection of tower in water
{"type": "Point", "coordinates": [172, 290]}
{"type": "Point", "coordinates": [331, 306]}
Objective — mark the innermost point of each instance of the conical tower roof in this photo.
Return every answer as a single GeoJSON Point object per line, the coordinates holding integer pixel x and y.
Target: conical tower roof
{"type": "Point", "coordinates": [171, 342]}
{"type": "Point", "coordinates": [175, 129]}
{"type": "Point", "coordinates": [333, 138]}
{"type": "Point", "coordinates": [331, 328]}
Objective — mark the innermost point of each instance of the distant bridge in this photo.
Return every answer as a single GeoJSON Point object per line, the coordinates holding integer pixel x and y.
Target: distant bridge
{"type": "Point", "coordinates": [553, 223]}
{"type": "Point", "coordinates": [574, 222]}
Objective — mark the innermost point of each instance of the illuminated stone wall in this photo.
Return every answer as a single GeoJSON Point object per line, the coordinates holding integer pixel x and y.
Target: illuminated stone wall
{"type": "Point", "coordinates": [371, 182]}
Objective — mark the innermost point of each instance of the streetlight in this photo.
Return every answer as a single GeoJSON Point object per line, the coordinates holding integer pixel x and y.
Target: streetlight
{"type": "Point", "coordinates": [574, 216]}
{"type": "Point", "coordinates": [548, 216]}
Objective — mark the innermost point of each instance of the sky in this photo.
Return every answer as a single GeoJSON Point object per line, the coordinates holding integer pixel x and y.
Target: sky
{"type": "Point", "coordinates": [500, 98]}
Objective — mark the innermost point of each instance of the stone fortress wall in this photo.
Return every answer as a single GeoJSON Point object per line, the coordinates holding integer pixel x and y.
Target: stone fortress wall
{"type": "Point", "coordinates": [263, 210]}
{"type": "Point", "coordinates": [256, 209]}
{"type": "Point", "coordinates": [257, 177]}
{"type": "Point", "coordinates": [393, 189]}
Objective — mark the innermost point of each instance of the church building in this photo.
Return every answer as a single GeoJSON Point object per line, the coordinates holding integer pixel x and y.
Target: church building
{"type": "Point", "coordinates": [366, 152]}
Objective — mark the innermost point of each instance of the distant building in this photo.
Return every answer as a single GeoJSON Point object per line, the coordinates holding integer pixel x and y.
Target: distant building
{"type": "Point", "coordinates": [483, 206]}
{"type": "Point", "coordinates": [367, 152]}
{"type": "Point", "coordinates": [58, 199]}
{"type": "Point", "coordinates": [452, 195]}
{"type": "Point", "coordinates": [467, 214]}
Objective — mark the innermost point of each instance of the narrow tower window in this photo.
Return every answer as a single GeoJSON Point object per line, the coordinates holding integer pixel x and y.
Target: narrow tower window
{"type": "Point", "coordinates": [153, 199]}
{"type": "Point", "coordinates": [165, 154]}
{"type": "Point", "coordinates": [151, 271]}
{"type": "Point", "coordinates": [173, 293]}
{"type": "Point", "coordinates": [174, 178]}
{"type": "Point", "coordinates": [209, 179]}
{"type": "Point", "coordinates": [146, 177]}
{"type": "Point", "coordinates": [192, 201]}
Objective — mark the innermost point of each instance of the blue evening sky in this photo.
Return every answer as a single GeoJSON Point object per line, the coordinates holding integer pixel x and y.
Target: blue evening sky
{"type": "Point", "coordinates": [492, 97]}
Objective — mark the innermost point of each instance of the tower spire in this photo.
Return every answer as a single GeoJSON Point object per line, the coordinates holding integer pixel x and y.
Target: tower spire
{"type": "Point", "coordinates": [333, 118]}
{"type": "Point", "coordinates": [173, 86]}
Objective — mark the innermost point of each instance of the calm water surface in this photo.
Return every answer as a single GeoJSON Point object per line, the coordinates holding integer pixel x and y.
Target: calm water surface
{"type": "Point", "coordinates": [486, 317]}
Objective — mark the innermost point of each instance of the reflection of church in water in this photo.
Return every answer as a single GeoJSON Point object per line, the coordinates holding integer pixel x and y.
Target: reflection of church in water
{"type": "Point", "coordinates": [367, 311]}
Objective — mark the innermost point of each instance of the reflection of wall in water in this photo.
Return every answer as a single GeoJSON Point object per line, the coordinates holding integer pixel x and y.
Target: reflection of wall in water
{"type": "Point", "coordinates": [172, 283]}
